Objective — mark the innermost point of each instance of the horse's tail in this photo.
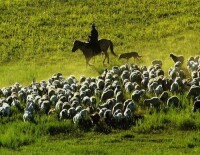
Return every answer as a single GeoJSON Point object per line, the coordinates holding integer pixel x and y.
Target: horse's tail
{"type": "Point", "coordinates": [111, 48]}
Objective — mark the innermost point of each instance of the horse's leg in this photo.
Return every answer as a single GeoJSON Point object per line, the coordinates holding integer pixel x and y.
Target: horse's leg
{"type": "Point", "coordinates": [88, 61]}
{"type": "Point", "coordinates": [107, 56]}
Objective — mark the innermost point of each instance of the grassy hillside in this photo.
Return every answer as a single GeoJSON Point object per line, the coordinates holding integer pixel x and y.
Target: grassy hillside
{"type": "Point", "coordinates": [36, 36]}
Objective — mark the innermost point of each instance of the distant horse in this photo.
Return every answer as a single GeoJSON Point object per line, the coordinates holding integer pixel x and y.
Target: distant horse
{"type": "Point", "coordinates": [88, 52]}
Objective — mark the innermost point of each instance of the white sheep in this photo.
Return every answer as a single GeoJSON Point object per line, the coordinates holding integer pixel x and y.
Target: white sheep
{"type": "Point", "coordinates": [45, 106]}
{"type": "Point", "coordinates": [192, 65]}
{"type": "Point", "coordinates": [128, 87]}
{"type": "Point", "coordinates": [107, 94]}
{"type": "Point", "coordinates": [5, 109]}
{"type": "Point", "coordinates": [128, 114]}
{"type": "Point", "coordinates": [81, 116]}
{"type": "Point", "coordinates": [158, 90]}
{"type": "Point", "coordinates": [173, 102]}
{"type": "Point", "coordinates": [194, 91]}
{"type": "Point", "coordinates": [71, 112]}
{"type": "Point", "coordinates": [152, 102]}
{"type": "Point", "coordinates": [156, 62]}
{"type": "Point", "coordinates": [125, 75]}
{"type": "Point", "coordinates": [63, 114]}
{"type": "Point", "coordinates": [118, 116]}
{"type": "Point", "coordinates": [174, 87]}
{"type": "Point", "coordinates": [27, 116]}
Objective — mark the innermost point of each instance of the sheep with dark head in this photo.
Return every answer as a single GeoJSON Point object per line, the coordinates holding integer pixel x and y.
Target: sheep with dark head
{"type": "Point", "coordinates": [173, 102]}
{"type": "Point", "coordinates": [196, 106]}
{"type": "Point", "coordinates": [177, 58]}
{"type": "Point", "coordinates": [152, 102]}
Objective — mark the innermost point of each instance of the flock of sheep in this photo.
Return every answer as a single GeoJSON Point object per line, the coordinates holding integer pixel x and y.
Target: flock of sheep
{"type": "Point", "coordinates": [112, 97]}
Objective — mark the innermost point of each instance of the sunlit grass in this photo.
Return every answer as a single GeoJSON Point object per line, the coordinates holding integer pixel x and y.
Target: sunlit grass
{"type": "Point", "coordinates": [36, 38]}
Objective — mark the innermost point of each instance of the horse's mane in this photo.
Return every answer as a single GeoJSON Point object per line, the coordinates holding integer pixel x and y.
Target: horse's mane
{"type": "Point", "coordinates": [81, 42]}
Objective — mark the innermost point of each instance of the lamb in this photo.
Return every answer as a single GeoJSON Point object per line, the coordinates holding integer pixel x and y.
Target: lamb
{"type": "Point", "coordinates": [176, 58]}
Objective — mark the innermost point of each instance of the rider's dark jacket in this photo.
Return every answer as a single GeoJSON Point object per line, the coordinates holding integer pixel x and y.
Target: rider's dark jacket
{"type": "Point", "coordinates": [94, 36]}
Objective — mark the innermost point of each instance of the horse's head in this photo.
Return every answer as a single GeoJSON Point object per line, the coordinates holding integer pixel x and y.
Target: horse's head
{"type": "Point", "coordinates": [76, 45]}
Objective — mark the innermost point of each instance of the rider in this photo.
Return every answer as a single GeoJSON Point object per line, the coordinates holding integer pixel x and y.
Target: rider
{"type": "Point", "coordinates": [93, 40]}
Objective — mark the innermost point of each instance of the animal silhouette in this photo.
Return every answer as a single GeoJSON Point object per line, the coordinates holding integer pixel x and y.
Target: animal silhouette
{"type": "Point", "coordinates": [129, 55]}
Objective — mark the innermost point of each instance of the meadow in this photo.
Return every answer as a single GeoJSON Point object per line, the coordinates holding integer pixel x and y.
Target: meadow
{"type": "Point", "coordinates": [36, 38]}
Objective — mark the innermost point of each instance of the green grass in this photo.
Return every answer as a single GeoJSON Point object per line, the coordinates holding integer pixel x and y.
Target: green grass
{"type": "Point", "coordinates": [123, 142]}
{"type": "Point", "coordinates": [36, 38]}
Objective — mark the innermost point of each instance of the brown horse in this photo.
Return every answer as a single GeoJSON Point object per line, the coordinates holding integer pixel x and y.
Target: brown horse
{"type": "Point", "coordinates": [88, 52]}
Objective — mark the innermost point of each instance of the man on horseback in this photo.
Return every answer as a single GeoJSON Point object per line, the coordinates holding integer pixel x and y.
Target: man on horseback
{"type": "Point", "coordinates": [93, 40]}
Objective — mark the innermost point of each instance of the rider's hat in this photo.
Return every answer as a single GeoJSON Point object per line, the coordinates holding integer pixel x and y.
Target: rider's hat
{"type": "Point", "coordinates": [93, 25]}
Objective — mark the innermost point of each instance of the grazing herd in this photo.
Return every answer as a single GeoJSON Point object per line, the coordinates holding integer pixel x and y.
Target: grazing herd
{"type": "Point", "coordinates": [113, 97]}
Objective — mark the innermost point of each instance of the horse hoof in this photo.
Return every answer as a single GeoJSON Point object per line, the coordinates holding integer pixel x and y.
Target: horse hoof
{"type": "Point", "coordinates": [90, 64]}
